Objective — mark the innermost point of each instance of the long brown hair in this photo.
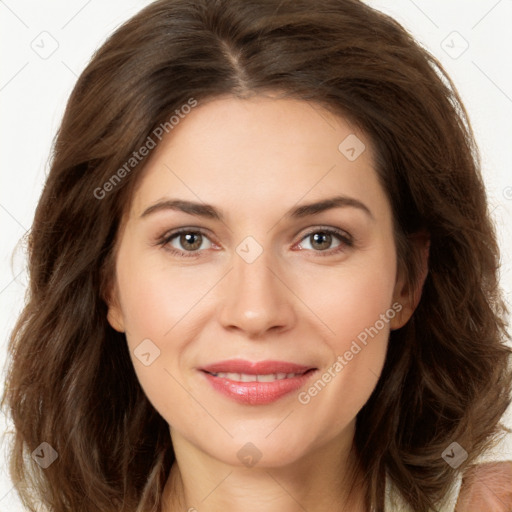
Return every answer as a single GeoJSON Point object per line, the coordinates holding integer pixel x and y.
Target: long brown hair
{"type": "Point", "coordinates": [71, 383]}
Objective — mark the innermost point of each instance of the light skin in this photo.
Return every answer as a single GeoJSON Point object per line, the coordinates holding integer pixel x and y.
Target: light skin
{"type": "Point", "coordinates": [301, 300]}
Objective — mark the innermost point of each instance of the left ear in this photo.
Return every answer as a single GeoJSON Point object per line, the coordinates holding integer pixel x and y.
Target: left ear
{"type": "Point", "coordinates": [403, 294]}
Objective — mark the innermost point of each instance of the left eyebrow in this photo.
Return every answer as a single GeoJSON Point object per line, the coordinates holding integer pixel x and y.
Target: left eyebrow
{"type": "Point", "coordinates": [327, 204]}
{"type": "Point", "coordinates": [211, 212]}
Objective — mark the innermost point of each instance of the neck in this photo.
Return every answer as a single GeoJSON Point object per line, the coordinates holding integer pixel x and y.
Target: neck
{"type": "Point", "coordinates": [328, 478]}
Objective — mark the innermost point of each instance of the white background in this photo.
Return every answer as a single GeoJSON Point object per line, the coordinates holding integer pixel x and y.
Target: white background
{"type": "Point", "coordinates": [34, 90]}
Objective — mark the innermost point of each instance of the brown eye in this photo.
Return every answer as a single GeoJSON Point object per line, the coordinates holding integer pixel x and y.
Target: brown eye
{"type": "Point", "coordinates": [185, 242]}
{"type": "Point", "coordinates": [191, 241]}
{"type": "Point", "coordinates": [321, 241]}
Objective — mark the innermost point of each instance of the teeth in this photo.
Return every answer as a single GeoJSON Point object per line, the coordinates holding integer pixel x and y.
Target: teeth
{"type": "Point", "coordinates": [244, 377]}
{"type": "Point", "coordinates": [269, 378]}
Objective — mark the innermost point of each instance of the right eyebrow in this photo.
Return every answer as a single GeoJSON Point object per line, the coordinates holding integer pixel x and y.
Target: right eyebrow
{"type": "Point", "coordinates": [190, 207]}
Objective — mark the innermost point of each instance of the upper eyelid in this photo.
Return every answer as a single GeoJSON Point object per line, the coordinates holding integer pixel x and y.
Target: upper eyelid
{"type": "Point", "coordinates": [336, 231]}
{"type": "Point", "coordinates": [171, 234]}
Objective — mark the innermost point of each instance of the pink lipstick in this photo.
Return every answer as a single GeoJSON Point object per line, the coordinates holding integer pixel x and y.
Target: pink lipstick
{"type": "Point", "coordinates": [256, 383]}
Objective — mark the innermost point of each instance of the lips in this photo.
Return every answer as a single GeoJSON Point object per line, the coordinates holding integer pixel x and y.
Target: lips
{"type": "Point", "coordinates": [256, 383]}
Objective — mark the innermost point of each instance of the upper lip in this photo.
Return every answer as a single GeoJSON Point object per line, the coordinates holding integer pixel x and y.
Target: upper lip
{"type": "Point", "coordinates": [255, 368]}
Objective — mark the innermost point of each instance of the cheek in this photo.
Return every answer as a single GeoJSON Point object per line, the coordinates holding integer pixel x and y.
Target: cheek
{"type": "Point", "coordinates": [154, 297]}
{"type": "Point", "coordinates": [357, 308]}
{"type": "Point", "coordinates": [155, 306]}
{"type": "Point", "coordinates": [365, 298]}
{"type": "Point", "coordinates": [163, 310]}
{"type": "Point", "coordinates": [352, 300]}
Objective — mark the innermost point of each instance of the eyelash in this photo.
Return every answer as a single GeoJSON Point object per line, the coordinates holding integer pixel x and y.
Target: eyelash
{"type": "Point", "coordinates": [344, 237]}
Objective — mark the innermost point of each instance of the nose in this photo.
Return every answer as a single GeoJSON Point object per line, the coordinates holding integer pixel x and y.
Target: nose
{"type": "Point", "coordinates": [255, 298]}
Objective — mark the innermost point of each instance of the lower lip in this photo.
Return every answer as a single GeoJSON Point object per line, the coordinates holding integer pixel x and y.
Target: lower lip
{"type": "Point", "coordinates": [257, 393]}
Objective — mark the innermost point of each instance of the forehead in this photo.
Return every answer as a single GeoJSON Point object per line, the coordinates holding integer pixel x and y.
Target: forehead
{"type": "Point", "coordinates": [258, 152]}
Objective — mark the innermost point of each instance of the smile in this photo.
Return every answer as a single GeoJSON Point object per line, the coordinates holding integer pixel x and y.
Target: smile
{"type": "Point", "coordinates": [257, 383]}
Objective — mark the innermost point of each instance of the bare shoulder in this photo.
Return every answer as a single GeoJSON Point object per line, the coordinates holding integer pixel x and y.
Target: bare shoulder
{"type": "Point", "coordinates": [486, 487]}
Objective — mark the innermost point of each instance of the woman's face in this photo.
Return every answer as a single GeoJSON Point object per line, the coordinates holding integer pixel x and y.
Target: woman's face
{"type": "Point", "coordinates": [259, 275]}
